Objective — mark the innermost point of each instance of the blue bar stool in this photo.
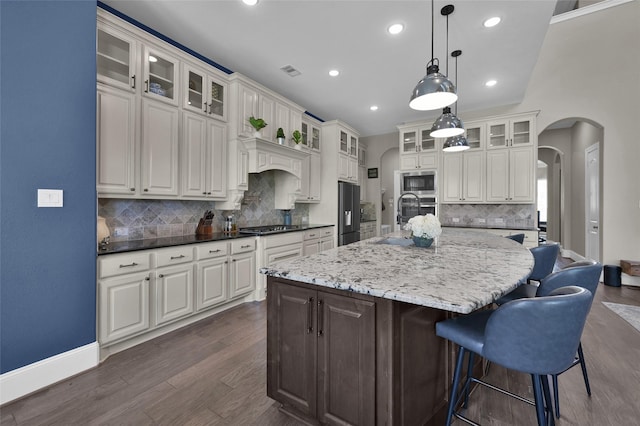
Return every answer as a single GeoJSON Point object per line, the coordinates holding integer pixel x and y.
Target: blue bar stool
{"type": "Point", "coordinates": [505, 337]}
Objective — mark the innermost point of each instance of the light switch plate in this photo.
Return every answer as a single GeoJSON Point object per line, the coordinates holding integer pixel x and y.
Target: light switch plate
{"type": "Point", "coordinates": [49, 197]}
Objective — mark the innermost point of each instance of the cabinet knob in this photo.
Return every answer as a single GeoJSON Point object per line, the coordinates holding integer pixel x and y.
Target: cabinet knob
{"type": "Point", "coordinates": [146, 86]}
{"type": "Point", "coordinates": [133, 81]}
{"type": "Point", "coordinates": [146, 190]}
{"type": "Point", "coordinates": [161, 276]}
{"type": "Point", "coordinates": [208, 193]}
{"type": "Point", "coordinates": [146, 278]}
{"type": "Point", "coordinates": [204, 193]}
{"type": "Point", "coordinates": [132, 189]}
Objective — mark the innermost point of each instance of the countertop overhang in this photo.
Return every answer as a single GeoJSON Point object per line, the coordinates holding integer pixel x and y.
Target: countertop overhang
{"type": "Point", "coordinates": [462, 271]}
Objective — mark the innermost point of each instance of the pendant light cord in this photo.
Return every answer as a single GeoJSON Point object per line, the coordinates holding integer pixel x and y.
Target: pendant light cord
{"type": "Point", "coordinates": [432, 24]}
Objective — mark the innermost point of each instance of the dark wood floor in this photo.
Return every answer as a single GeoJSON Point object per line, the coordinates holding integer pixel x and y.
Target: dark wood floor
{"type": "Point", "coordinates": [213, 373]}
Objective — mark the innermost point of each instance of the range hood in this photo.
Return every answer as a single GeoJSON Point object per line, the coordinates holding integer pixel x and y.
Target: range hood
{"type": "Point", "coordinates": [265, 155]}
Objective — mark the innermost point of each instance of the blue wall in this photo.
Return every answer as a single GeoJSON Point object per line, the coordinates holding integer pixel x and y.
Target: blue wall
{"type": "Point", "coordinates": [47, 137]}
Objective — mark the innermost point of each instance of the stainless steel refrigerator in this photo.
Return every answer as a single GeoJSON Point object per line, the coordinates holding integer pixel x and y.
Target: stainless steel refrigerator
{"type": "Point", "coordinates": [348, 213]}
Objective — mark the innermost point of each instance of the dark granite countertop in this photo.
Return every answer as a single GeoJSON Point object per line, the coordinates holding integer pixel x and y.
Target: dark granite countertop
{"type": "Point", "coordinates": [154, 243]}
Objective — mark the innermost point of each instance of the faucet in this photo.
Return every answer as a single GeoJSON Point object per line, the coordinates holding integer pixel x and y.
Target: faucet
{"type": "Point", "coordinates": [399, 216]}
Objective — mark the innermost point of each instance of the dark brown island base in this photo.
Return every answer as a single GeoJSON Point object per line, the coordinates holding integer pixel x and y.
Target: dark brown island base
{"type": "Point", "coordinates": [350, 331]}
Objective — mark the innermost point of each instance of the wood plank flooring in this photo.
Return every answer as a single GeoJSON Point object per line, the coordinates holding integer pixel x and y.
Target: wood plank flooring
{"type": "Point", "coordinates": [214, 373]}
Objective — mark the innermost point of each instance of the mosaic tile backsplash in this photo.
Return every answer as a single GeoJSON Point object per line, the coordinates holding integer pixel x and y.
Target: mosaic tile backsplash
{"type": "Point", "coordinates": [143, 219]}
{"type": "Point", "coordinates": [516, 216]}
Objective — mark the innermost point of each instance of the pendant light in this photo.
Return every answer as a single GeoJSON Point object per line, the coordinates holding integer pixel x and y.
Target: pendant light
{"type": "Point", "coordinates": [447, 124]}
{"type": "Point", "coordinates": [459, 142]}
{"type": "Point", "coordinates": [435, 90]}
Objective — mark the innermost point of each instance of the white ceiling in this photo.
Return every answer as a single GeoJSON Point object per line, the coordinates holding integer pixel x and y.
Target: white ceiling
{"type": "Point", "coordinates": [376, 68]}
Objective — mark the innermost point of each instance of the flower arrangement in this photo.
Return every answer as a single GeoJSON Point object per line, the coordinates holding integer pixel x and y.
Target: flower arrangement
{"type": "Point", "coordinates": [427, 226]}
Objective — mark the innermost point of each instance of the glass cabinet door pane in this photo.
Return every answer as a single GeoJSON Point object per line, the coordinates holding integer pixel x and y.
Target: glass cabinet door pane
{"type": "Point", "coordinates": [427, 143]}
{"type": "Point", "coordinates": [114, 58]}
{"type": "Point", "coordinates": [216, 105]}
{"type": "Point", "coordinates": [196, 91]}
{"type": "Point", "coordinates": [161, 76]}
{"type": "Point", "coordinates": [521, 132]}
{"type": "Point", "coordinates": [353, 148]}
{"type": "Point", "coordinates": [304, 133]}
{"type": "Point", "coordinates": [473, 137]}
{"type": "Point", "coordinates": [344, 142]}
{"type": "Point", "coordinates": [409, 142]}
{"type": "Point", "coordinates": [498, 135]}
{"type": "Point", "coordinates": [315, 138]}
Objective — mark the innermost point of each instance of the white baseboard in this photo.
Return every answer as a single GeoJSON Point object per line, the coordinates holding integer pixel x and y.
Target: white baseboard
{"type": "Point", "coordinates": [631, 280]}
{"type": "Point", "coordinates": [30, 378]}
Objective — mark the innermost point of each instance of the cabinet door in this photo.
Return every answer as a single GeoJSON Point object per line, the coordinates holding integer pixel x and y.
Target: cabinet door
{"type": "Point", "coordinates": [295, 122]}
{"type": "Point", "coordinates": [343, 167]}
{"type": "Point", "coordinates": [292, 346]}
{"type": "Point", "coordinates": [498, 134]}
{"type": "Point", "coordinates": [353, 147]}
{"type": "Point", "coordinates": [115, 137]}
{"type": "Point", "coordinates": [212, 278]}
{"type": "Point", "coordinates": [116, 58]}
{"type": "Point", "coordinates": [282, 120]}
{"type": "Point", "coordinates": [473, 177]}
{"type": "Point", "coordinates": [194, 155]}
{"type": "Point", "coordinates": [408, 142]}
{"type": "Point", "coordinates": [159, 148]}
{"type": "Point", "coordinates": [267, 111]}
{"type": "Point", "coordinates": [498, 175]}
{"type": "Point", "coordinates": [216, 159]}
{"type": "Point", "coordinates": [409, 161]}
{"type": "Point", "coordinates": [216, 95]}
{"type": "Point", "coordinates": [160, 75]}
{"type": "Point", "coordinates": [344, 142]}
{"type": "Point", "coordinates": [315, 177]}
{"type": "Point", "coordinates": [346, 360]}
{"type": "Point", "coordinates": [124, 306]}
{"type": "Point", "coordinates": [353, 169]}
{"type": "Point", "coordinates": [194, 87]}
{"type": "Point", "coordinates": [174, 293]}
{"type": "Point", "coordinates": [315, 138]}
{"type": "Point", "coordinates": [248, 104]}
{"type": "Point", "coordinates": [427, 142]}
{"type": "Point", "coordinates": [243, 274]}
{"type": "Point", "coordinates": [428, 160]}
{"type": "Point", "coordinates": [521, 132]}
{"type": "Point", "coordinates": [311, 247]}
{"type": "Point", "coordinates": [451, 182]}
{"type": "Point", "coordinates": [326, 244]}
{"type": "Point", "coordinates": [475, 134]}
{"type": "Point", "coordinates": [522, 175]}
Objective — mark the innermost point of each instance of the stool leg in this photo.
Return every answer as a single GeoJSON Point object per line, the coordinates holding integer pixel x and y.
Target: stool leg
{"type": "Point", "coordinates": [468, 381]}
{"type": "Point", "coordinates": [547, 400]}
{"type": "Point", "coordinates": [537, 393]}
{"type": "Point", "coordinates": [584, 369]}
{"type": "Point", "coordinates": [454, 385]}
{"type": "Point", "coordinates": [556, 398]}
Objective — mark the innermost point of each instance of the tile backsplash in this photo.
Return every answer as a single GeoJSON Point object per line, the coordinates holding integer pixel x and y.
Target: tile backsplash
{"type": "Point", "coordinates": [517, 216]}
{"type": "Point", "coordinates": [141, 219]}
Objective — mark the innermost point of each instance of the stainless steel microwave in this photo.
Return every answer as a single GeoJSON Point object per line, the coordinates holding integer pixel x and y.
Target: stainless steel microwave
{"type": "Point", "coordinates": [419, 181]}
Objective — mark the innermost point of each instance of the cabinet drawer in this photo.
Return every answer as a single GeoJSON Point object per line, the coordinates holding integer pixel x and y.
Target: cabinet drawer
{"type": "Point", "coordinates": [326, 232]}
{"type": "Point", "coordinates": [243, 245]}
{"type": "Point", "coordinates": [118, 264]}
{"type": "Point", "coordinates": [282, 239]}
{"type": "Point", "coordinates": [211, 250]}
{"type": "Point", "coordinates": [174, 255]}
{"type": "Point", "coordinates": [312, 234]}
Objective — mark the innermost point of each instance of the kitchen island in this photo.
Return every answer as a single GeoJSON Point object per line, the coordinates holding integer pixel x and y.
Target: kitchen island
{"type": "Point", "coordinates": [351, 331]}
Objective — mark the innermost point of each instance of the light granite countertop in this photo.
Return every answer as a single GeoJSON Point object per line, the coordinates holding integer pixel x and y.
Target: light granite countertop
{"type": "Point", "coordinates": [461, 272]}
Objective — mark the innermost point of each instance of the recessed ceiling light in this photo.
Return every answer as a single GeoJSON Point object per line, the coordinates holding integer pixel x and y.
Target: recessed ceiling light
{"type": "Point", "coordinates": [395, 28]}
{"type": "Point", "coordinates": [491, 83]}
{"type": "Point", "coordinates": [492, 22]}
{"type": "Point", "coordinates": [334, 73]}
{"type": "Point", "coordinates": [373, 107]}
{"type": "Point", "coordinates": [250, 2]}
{"type": "Point", "coordinates": [153, 59]}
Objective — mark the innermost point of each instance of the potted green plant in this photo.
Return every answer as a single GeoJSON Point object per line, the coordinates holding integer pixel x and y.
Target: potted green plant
{"type": "Point", "coordinates": [280, 136]}
{"type": "Point", "coordinates": [297, 138]}
{"type": "Point", "coordinates": [258, 124]}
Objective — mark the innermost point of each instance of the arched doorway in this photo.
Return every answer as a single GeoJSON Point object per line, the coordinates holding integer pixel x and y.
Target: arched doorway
{"type": "Point", "coordinates": [562, 146]}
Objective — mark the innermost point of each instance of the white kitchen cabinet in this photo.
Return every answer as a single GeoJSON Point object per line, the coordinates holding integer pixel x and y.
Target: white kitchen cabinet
{"type": "Point", "coordinates": [317, 240]}
{"type": "Point", "coordinates": [463, 177]}
{"type": "Point", "coordinates": [116, 58]}
{"type": "Point", "coordinates": [123, 306]}
{"type": "Point", "coordinates": [212, 275]}
{"type": "Point", "coordinates": [116, 141]}
{"type": "Point", "coordinates": [267, 110]}
{"type": "Point", "coordinates": [511, 132]}
{"type": "Point", "coordinates": [362, 182]}
{"type": "Point", "coordinates": [347, 168]}
{"type": "Point", "coordinates": [159, 168]}
{"type": "Point", "coordinates": [204, 157]}
{"type": "Point", "coordinates": [310, 134]}
{"type": "Point", "coordinates": [475, 133]}
{"type": "Point", "coordinates": [203, 92]}
{"type": "Point", "coordinates": [173, 293]}
{"type": "Point", "coordinates": [160, 73]}
{"type": "Point", "coordinates": [510, 176]}
{"type": "Point", "coordinates": [418, 150]}
{"type": "Point", "coordinates": [242, 278]}
{"type": "Point", "coordinates": [311, 179]}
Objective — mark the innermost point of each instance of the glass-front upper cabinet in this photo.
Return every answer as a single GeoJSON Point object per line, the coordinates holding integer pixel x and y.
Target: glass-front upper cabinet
{"type": "Point", "coordinates": [475, 135]}
{"type": "Point", "coordinates": [203, 93]}
{"type": "Point", "coordinates": [353, 146]}
{"type": "Point", "coordinates": [304, 131]}
{"type": "Point", "coordinates": [408, 142]}
{"type": "Point", "coordinates": [506, 133]}
{"type": "Point", "coordinates": [116, 58]}
{"type": "Point", "coordinates": [427, 142]}
{"type": "Point", "coordinates": [315, 138]}
{"type": "Point", "coordinates": [160, 75]}
{"type": "Point", "coordinates": [344, 142]}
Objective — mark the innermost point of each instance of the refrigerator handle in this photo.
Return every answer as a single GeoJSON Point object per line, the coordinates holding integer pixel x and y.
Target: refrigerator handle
{"type": "Point", "coordinates": [347, 218]}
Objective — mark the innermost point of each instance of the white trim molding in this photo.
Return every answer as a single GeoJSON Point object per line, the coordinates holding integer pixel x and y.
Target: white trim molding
{"type": "Point", "coordinates": [30, 378]}
{"type": "Point", "coordinates": [595, 7]}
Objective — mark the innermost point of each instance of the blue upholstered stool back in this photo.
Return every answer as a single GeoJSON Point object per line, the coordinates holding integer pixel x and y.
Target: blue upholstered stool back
{"type": "Point", "coordinates": [586, 274]}
{"type": "Point", "coordinates": [544, 257]}
{"type": "Point", "coordinates": [538, 335]}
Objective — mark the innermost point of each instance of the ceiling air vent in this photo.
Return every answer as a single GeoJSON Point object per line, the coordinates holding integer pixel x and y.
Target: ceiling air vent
{"type": "Point", "coordinates": [291, 71]}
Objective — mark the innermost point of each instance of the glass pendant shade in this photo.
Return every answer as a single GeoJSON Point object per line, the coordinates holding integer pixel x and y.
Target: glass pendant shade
{"type": "Point", "coordinates": [456, 144]}
{"type": "Point", "coordinates": [447, 125]}
{"type": "Point", "coordinates": [434, 91]}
